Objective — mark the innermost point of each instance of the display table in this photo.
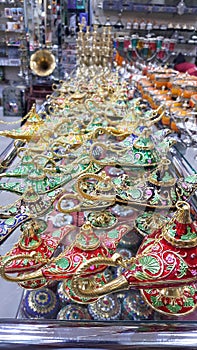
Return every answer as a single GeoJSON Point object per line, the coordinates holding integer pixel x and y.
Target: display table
{"type": "Point", "coordinates": [130, 325]}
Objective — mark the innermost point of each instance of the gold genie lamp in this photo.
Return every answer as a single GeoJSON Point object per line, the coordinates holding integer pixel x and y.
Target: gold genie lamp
{"type": "Point", "coordinates": [164, 268]}
{"type": "Point", "coordinates": [29, 131]}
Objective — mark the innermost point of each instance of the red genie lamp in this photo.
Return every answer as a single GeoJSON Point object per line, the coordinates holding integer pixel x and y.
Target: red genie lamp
{"type": "Point", "coordinates": [164, 268]}
{"type": "Point", "coordinates": [87, 245]}
{"type": "Point", "coordinates": [35, 245]}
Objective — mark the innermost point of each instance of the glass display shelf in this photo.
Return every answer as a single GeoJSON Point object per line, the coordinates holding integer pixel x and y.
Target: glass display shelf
{"type": "Point", "coordinates": [143, 329]}
{"type": "Point", "coordinates": [98, 335]}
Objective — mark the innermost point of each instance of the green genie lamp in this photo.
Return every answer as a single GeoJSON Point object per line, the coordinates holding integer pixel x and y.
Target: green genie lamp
{"type": "Point", "coordinates": [160, 190]}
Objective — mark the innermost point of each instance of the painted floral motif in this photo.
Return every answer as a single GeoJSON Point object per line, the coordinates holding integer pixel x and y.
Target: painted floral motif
{"type": "Point", "coordinates": [170, 259]}
{"type": "Point", "coordinates": [47, 246]}
{"type": "Point", "coordinates": [39, 186]}
{"type": "Point", "coordinates": [165, 178]}
{"type": "Point", "coordinates": [180, 302]}
{"type": "Point", "coordinates": [150, 263]}
{"type": "Point", "coordinates": [161, 262]}
{"type": "Point", "coordinates": [191, 179]}
{"type": "Point", "coordinates": [189, 233]}
{"type": "Point", "coordinates": [7, 226]}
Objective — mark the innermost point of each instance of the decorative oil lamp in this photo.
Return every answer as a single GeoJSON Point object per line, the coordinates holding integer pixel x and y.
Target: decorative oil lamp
{"type": "Point", "coordinates": [86, 246]}
{"type": "Point", "coordinates": [36, 245]}
{"type": "Point", "coordinates": [164, 268]}
{"type": "Point", "coordinates": [160, 189]}
{"type": "Point", "coordinates": [29, 130]}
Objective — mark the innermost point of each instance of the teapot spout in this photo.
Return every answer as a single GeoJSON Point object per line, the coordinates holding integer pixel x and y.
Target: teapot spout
{"type": "Point", "coordinates": [118, 284]}
{"type": "Point", "coordinates": [131, 278]}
